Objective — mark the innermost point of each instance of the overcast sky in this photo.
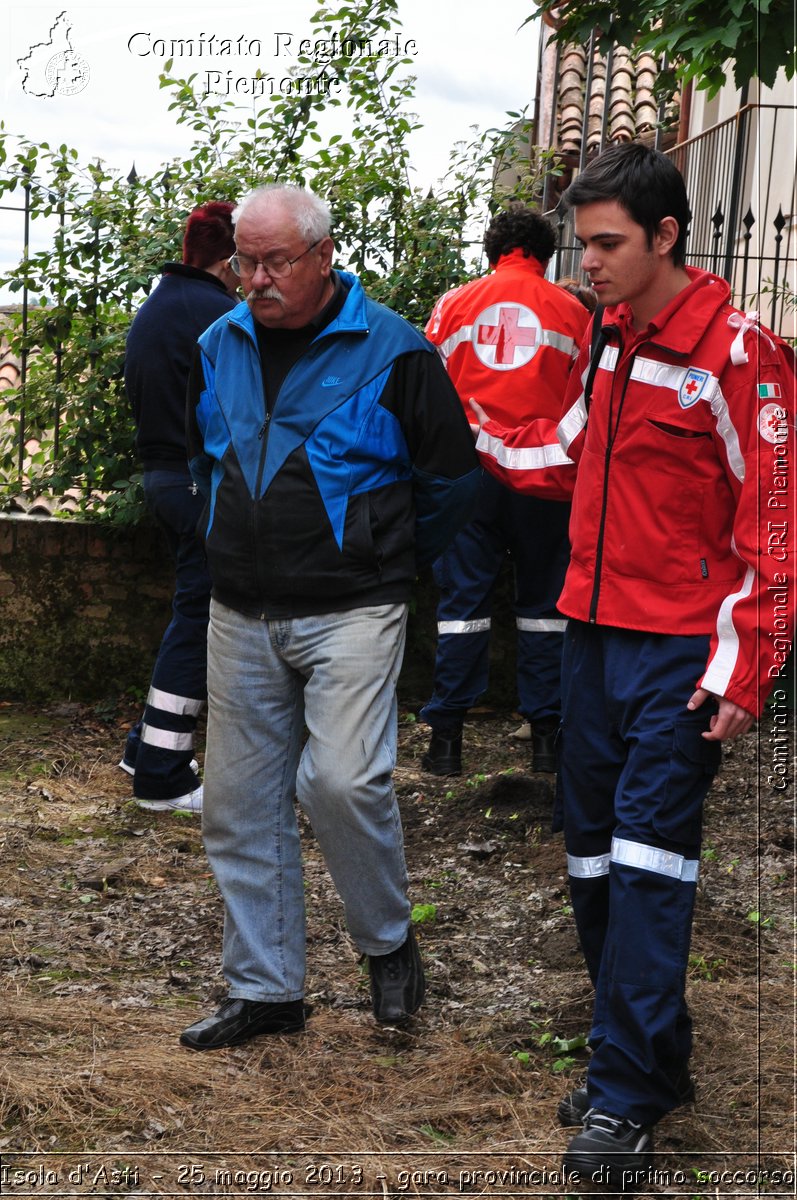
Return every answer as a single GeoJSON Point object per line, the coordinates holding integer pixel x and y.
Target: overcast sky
{"type": "Point", "coordinates": [473, 62]}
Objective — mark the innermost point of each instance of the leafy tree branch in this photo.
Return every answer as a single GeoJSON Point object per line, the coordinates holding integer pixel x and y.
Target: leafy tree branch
{"type": "Point", "coordinates": [349, 140]}
{"type": "Point", "coordinates": [702, 39]}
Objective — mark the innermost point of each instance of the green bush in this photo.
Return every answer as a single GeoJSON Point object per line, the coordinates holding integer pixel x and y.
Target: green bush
{"type": "Point", "coordinates": [113, 234]}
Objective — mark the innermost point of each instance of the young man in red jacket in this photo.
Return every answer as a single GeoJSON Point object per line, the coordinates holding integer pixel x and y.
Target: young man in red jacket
{"type": "Point", "coordinates": [677, 445]}
{"type": "Point", "coordinates": [508, 339]}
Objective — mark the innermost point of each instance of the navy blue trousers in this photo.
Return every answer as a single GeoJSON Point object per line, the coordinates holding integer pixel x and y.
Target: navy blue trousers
{"type": "Point", "coordinates": [533, 533]}
{"type": "Point", "coordinates": [634, 773]}
{"type": "Point", "coordinates": [161, 746]}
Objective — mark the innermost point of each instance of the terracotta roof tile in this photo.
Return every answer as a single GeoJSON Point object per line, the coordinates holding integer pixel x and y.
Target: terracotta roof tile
{"type": "Point", "coordinates": [624, 105]}
{"type": "Point", "coordinates": [9, 363]}
{"type": "Point", "coordinates": [26, 505]}
{"type": "Point", "coordinates": [44, 505]}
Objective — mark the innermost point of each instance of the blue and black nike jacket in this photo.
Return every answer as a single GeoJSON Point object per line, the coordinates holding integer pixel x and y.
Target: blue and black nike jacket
{"type": "Point", "coordinates": [364, 468]}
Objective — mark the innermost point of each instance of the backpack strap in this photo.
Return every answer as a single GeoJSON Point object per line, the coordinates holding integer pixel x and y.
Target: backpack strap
{"type": "Point", "coordinates": [597, 342]}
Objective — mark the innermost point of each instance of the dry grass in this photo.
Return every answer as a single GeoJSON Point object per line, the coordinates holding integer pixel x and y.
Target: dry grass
{"type": "Point", "coordinates": [109, 938]}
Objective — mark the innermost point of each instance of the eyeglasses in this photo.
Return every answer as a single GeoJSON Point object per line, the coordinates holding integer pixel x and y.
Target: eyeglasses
{"type": "Point", "coordinates": [276, 265]}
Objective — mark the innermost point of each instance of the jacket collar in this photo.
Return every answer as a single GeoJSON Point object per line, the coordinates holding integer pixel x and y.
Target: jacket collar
{"type": "Point", "coordinates": [682, 323]}
{"type": "Point", "coordinates": [352, 317]}
{"type": "Point", "coordinates": [186, 272]}
{"type": "Point", "coordinates": [517, 258]}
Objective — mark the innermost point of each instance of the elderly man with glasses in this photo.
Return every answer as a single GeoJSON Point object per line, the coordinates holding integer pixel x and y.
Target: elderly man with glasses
{"type": "Point", "coordinates": [335, 456]}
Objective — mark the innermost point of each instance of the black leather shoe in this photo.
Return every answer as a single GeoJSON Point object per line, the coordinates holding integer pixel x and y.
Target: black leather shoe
{"type": "Point", "coordinates": [444, 756]}
{"type": "Point", "coordinates": [574, 1107]}
{"type": "Point", "coordinates": [239, 1020]}
{"type": "Point", "coordinates": [611, 1150]}
{"type": "Point", "coordinates": [397, 982]}
{"type": "Point", "coordinates": [543, 747]}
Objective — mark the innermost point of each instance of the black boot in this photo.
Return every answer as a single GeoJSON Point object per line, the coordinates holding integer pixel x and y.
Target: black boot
{"type": "Point", "coordinates": [543, 746]}
{"type": "Point", "coordinates": [444, 756]}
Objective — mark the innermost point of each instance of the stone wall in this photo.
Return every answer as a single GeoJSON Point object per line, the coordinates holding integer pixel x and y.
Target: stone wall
{"type": "Point", "coordinates": [83, 609]}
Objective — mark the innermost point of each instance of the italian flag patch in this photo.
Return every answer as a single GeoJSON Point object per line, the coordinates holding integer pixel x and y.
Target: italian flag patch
{"type": "Point", "coordinates": [769, 391]}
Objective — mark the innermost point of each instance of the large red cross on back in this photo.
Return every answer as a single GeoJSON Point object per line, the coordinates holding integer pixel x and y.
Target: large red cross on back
{"type": "Point", "coordinates": [506, 335]}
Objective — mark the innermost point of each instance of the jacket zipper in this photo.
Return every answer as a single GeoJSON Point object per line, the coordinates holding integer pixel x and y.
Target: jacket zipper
{"type": "Point", "coordinates": [262, 437]}
{"type": "Point", "coordinates": [611, 437]}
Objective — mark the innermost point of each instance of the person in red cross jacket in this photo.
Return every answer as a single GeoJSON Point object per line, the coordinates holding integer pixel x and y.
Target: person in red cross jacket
{"type": "Point", "coordinates": [676, 441]}
{"type": "Point", "coordinates": [509, 340]}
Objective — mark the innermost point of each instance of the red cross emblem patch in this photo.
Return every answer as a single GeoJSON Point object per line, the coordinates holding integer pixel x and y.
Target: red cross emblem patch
{"type": "Point", "coordinates": [691, 388]}
{"type": "Point", "coordinates": [772, 423]}
{"type": "Point", "coordinates": [506, 336]}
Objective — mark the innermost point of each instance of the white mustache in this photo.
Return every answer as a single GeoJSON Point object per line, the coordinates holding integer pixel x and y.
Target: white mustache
{"type": "Point", "coordinates": [269, 293]}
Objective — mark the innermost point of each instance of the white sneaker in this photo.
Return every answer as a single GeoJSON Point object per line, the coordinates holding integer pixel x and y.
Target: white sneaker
{"type": "Point", "coordinates": [523, 733]}
{"type": "Point", "coordinates": [125, 766]}
{"type": "Point", "coordinates": [190, 802]}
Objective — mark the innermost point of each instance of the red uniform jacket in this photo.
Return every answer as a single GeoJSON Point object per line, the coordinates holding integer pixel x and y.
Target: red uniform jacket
{"type": "Point", "coordinates": [509, 340]}
{"type": "Point", "coordinates": [683, 476]}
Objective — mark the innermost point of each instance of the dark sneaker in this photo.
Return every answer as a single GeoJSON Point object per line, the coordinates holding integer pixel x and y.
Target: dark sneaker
{"type": "Point", "coordinates": [444, 756]}
{"type": "Point", "coordinates": [238, 1021]}
{"type": "Point", "coordinates": [397, 982]}
{"type": "Point", "coordinates": [612, 1151]}
{"type": "Point", "coordinates": [574, 1107]}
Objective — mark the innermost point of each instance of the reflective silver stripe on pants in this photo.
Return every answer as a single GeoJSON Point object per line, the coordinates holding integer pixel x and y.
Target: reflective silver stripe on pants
{"type": "Point", "coordinates": [166, 739]}
{"type": "Point", "coordinates": [181, 705]}
{"type": "Point", "coordinates": [541, 625]}
{"type": "Point", "coordinates": [650, 858]}
{"type": "Point", "coordinates": [588, 868]}
{"type": "Point", "coordinates": [463, 626]}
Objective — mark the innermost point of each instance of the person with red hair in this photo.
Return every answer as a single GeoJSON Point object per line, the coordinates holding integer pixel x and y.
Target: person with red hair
{"type": "Point", "coordinates": [190, 296]}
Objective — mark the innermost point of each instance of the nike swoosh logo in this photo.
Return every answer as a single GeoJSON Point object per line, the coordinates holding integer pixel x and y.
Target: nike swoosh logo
{"type": "Point", "coordinates": [331, 381]}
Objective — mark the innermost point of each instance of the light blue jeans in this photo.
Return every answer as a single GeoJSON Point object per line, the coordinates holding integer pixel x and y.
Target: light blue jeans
{"type": "Point", "coordinates": [334, 674]}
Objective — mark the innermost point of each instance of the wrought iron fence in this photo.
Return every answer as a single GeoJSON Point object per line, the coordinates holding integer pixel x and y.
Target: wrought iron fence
{"type": "Point", "coordinates": [741, 191]}
{"type": "Point", "coordinates": [71, 298]}
{"type": "Point", "coordinates": [740, 179]}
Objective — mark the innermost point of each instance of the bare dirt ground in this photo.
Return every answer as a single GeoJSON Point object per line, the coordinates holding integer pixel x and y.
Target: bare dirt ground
{"type": "Point", "coordinates": [110, 927]}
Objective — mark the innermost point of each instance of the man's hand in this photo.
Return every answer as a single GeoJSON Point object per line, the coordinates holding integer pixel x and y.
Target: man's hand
{"type": "Point", "coordinates": [729, 722]}
{"type": "Point", "coordinates": [481, 415]}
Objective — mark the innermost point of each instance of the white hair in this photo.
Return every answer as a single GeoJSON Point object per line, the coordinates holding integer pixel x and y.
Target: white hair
{"type": "Point", "coordinates": [311, 214]}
